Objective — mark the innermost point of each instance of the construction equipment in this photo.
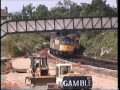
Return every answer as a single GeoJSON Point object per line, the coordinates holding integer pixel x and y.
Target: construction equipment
{"type": "Point", "coordinates": [66, 79]}
{"type": "Point", "coordinates": [39, 72]}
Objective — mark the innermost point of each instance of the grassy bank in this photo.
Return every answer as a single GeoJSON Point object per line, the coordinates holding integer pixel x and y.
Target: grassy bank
{"type": "Point", "coordinates": [20, 45]}
{"type": "Point", "coordinates": [94, 44]}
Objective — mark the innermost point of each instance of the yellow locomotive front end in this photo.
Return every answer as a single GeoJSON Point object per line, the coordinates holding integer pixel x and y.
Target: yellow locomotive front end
{"type": "Point", "coordinates": [67, 46]}
{"type": "Point", "coordinates": [62, 46]}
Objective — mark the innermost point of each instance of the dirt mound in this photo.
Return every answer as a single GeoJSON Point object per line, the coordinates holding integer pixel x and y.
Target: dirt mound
{"type": "Point", "coordinates": [21, 63]}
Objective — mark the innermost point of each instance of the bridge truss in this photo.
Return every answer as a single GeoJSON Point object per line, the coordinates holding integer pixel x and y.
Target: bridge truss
{"type": "Point", "coordinates": [49, 25]}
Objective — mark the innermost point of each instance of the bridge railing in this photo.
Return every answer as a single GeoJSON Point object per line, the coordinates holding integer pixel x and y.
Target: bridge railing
{"type": "Point", "coordinates": [40, 25]}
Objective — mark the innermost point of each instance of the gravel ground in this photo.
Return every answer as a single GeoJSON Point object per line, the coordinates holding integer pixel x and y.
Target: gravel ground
{"type": "Point", "coordinates": [16, 80]}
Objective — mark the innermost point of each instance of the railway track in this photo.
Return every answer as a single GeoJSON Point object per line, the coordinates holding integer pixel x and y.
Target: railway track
{"type": "Point", "coordinates": [83, 60]}
{"type": "Point", "coordinates": [96, 62]}
{"type": "Point", "coordinates": [91, 65]}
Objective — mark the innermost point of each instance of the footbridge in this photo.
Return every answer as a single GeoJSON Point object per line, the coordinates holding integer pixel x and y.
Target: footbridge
{"type": "Point", "coordinates": [58, 24]}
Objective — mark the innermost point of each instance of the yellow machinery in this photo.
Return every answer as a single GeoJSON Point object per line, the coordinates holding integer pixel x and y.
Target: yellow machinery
{"type": "Point", "coordinates": [66, 79]}
{"type": "Point", "coordinates": [39, 72]}
{"type": "Point", "coordinates": [62, 46]}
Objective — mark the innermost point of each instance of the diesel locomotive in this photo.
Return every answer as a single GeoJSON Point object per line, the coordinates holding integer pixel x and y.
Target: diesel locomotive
{"type": "Point", "coordinates": [64, 46]}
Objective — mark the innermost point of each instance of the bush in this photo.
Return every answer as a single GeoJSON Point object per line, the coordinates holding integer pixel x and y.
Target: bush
{"type": "Point", "coordinates": [94, 44]}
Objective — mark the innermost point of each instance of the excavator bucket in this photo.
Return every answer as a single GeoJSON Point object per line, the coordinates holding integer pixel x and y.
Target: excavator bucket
{"type": "Point", "coordinates": [41, 81]}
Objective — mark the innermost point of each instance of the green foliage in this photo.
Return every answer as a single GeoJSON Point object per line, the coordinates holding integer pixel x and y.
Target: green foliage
{"type": "Point", "coordinates": [41, 12]}
{"type": "Point", "coordinates": [98, 8]}
{"type": "Point", "coordinates": [16, 16]}
{"type": "Point", "coordinates": [27, 11]}
{"type": "Point", "coordinates": [19, 45]}
{"type": "Point", "coordinates": [66, 8]}
{"type": "Point", "coordinates": [105, 39]}
{"type": "Point", "coordinates": [75, 10]}
{"type": "Point", "coordinates": [58, 12]}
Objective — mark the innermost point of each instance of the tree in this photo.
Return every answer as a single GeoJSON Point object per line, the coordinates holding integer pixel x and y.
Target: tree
{"type": "Point", "coordinates": [75, 10]}
{"type": "Point", "coordinates": [16, 16]}
{"type": "Point", "coordinates": [67, 3]}
{"type": "Point", "coordinates": [98, 8]}
{"type": "Point", "coordinates": [60, 4]}
{"type": "Point", "coordinates": [41, 12]}
{"type": "Point", "coordinates": [27, 11]}
{"type": "Point", "coordinates": [64, 9]}
{"type": "Point", "coordinates": [58, 12]}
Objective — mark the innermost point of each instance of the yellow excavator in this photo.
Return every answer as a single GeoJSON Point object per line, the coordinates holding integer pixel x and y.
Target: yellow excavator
{"type": "Point", "coordinates": [66, 79]}
{"type": "Point", "coordinates": [39, 72]}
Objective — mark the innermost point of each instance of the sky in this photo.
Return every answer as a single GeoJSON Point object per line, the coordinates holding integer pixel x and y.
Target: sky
{"type": "Point", "coordinates": [16, 5]}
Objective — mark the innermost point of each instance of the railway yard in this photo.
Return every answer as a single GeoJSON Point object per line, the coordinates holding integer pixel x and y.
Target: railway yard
{"type": "Point", "coordinates": [103, 77]}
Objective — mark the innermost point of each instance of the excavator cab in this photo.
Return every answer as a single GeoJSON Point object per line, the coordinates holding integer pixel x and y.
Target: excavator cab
{"type": "Point", "coordinates": [39, 66]}
{"type": "Point", "coordinates": [61, 71]}
{"type": "Point", "coordinates": [68, 80]}
{"type": "Point", "coordinates": [39, 72]}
